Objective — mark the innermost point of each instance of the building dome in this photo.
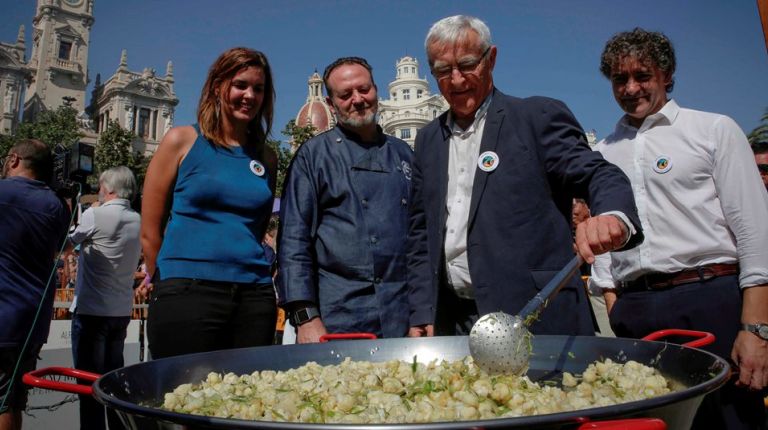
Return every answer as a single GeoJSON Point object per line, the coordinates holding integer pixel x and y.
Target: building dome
{"type": "Point", "coordinates": [315, 111]}
{"type": "Point", "coordinates": [410, 105]}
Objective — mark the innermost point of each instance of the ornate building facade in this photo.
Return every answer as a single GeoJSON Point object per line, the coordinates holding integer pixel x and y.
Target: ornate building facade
{"type": "Point", "coordinates": [140, 102]}
{"type": "Point", "coordinates": [410, 105]}
{"type": "Point", "coordinates": [59, 61]}
{"type": "Point", "coordinates": [591, 138]}
{"type": "Point", "coordinates": [57, 74]}
{"type": "Point", "coordinates": [14, 73]}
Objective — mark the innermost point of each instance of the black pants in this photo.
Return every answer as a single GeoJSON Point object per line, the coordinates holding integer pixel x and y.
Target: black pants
{"type": "Point", "coordinates": [13, 392]}
{"type": "Point", "coordinates": [99, 349]}
{"type": "Point", "coordinates": [192, 315]}
{"type": "Point", "coordinates": [455, 316]}
{"type": "Point", "coordinates": [713, 306]}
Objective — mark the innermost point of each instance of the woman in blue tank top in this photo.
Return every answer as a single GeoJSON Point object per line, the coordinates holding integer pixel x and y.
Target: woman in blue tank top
{"type": "Point", "coordinates": [207, 200]}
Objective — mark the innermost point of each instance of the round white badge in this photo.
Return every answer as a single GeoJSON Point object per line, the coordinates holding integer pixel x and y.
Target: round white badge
{"type": "Point", "coordinates": [488, 161]}
{"type": "Point", "coordinates": [257, 168]}
{"type": "Point", "coordinates": [663, 164]}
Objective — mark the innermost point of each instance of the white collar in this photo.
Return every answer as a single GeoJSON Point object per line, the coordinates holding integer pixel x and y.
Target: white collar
{"type": "Point", "coordinates": [668, 112]}
{"type": "Point", "coordinates": [479, 116]}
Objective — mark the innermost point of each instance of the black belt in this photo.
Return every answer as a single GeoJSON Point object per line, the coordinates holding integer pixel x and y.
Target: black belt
{"type": "Point", "coordinates": [665, 281]}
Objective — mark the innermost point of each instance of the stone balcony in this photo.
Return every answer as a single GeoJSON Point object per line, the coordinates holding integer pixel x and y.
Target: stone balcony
{"type": "Point", "coordinates": [68, 67]}
{"type": "Point", "coordinates": [403, 119]}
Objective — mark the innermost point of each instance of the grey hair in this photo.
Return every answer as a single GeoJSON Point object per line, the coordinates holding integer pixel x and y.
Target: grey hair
{"type": "Point", "coordinates": [119, 180]}
{"type": "Point", "coordinates": [453, 29]}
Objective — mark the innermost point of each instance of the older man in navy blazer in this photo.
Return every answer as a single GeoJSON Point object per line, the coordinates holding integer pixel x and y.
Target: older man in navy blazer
{"type": "Point", "coordinates": [493, 183]}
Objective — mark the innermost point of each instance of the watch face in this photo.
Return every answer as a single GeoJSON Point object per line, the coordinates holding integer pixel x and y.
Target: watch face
{"type": "Point", "coordinates": [300, 316]}
{"type": "Point", "coordinates": [762, 331]}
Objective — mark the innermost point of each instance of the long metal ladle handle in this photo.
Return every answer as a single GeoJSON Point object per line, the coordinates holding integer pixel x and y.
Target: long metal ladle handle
{"type": "Point", "coordinates": [553, 287]}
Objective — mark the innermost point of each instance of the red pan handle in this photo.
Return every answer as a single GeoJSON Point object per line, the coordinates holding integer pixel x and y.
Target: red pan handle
{"type": "Point", "coordinates": [628, 424]}
{"type": "Point", "coordinates": [346, 336]}
{"type": "Point", "coordinates": [36, 378]}
{"type": "Point", "coordinates": [703, 338]}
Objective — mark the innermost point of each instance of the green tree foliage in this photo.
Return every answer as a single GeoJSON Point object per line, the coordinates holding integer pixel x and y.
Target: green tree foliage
{"type": "Point", "coordinates": [760, 133]}
{"type": "Point", "coordinates": [140, 169]}
{"type": "Point", "coordinates": [284, 157]}
{"type": "Point", "coordinates": [114, 149]}
{"type": "Point", "coordinates": [6, 142]}
{"type": "Point", "coordinates": [297, 133]}
{"type": "Point", "coordinates": [52, 127]}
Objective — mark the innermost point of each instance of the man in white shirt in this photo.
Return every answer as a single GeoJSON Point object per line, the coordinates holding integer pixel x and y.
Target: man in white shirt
{"type": "Point", "coordinates": [110, 250]}
{"type": "Point", "coordinates": [704, 262]}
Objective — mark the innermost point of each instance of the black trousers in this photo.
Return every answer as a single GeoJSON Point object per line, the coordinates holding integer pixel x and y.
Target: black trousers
{"type": "Point", "coordinates": [713, 306]}
{"type": "Point", "coordinates": [99, 347]}
{"type": "Point", "coordinates": [455, 316]}
{"type": "Point", "coordinates": [190, 315]}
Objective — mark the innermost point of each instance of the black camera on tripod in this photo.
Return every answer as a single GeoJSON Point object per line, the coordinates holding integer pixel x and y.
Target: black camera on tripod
{"type": "Point", "coordinates": [71, 168]}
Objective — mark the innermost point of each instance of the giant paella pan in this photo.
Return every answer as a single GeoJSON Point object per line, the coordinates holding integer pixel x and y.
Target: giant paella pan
{"type": "Point", "coordinates": [136, 392]}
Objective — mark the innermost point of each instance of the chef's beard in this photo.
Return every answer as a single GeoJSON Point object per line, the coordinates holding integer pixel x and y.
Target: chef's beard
{"type": "Point", "coordinates": [357, 122]}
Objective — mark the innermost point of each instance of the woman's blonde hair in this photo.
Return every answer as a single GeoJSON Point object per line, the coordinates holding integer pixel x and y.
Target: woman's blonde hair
{"type": "Point", "coordinates": [220, 77]}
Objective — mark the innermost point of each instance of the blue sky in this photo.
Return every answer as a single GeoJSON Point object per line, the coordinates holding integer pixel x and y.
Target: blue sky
{"type": "Point", "coordinates": [549, 48]}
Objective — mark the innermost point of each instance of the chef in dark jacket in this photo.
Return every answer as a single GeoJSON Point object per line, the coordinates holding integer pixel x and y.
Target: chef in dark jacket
{"type": "Point", "coordinates": [344, 219]}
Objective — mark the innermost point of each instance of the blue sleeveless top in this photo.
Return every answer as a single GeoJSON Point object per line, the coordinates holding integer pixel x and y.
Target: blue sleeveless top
{"type": "Point", "coordinates": [221, 201]}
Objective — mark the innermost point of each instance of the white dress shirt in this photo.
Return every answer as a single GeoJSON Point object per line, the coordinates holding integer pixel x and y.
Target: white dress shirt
{"type": "Point", "coordinates": [705, 204]}
{"type": "Point", "coordinates": [464, 149]}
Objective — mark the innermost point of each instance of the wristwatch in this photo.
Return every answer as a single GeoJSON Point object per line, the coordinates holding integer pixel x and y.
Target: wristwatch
{"type": "Point", "coordinates": [303, 315]}
{"type": "Point", "coordinates": [759, 329]}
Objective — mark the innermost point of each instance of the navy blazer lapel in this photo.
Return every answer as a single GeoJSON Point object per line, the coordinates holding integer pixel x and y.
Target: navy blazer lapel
{"type": "Point", "coordinates": [442, 168]}
{"type": "Point", "coordinates": [491, 132]}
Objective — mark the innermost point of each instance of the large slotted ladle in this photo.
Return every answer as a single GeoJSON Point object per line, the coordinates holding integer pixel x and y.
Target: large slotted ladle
{"type": "Point", "coordinates": [501, 343]}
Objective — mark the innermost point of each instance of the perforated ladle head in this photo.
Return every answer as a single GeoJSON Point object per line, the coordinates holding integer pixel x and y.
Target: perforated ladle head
{"type": "Point", "coordinates": [501, 343]}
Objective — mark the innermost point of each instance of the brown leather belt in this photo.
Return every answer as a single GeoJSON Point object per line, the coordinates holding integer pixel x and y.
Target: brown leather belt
{"type": "Point", "coordinates": [663, 281]}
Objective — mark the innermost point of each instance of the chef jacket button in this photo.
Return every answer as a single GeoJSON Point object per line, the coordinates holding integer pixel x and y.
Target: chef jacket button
{"type": "Point", "coordinates": [365, 202]}
{"type": "Point", "coordinates": [374, 239]}
{"type": "Point", "coordinates": [377, 280]}
{"type": "Point", "coordinates": [404, 201]}
{"type": "Point", "coordinates": [338, 140]}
